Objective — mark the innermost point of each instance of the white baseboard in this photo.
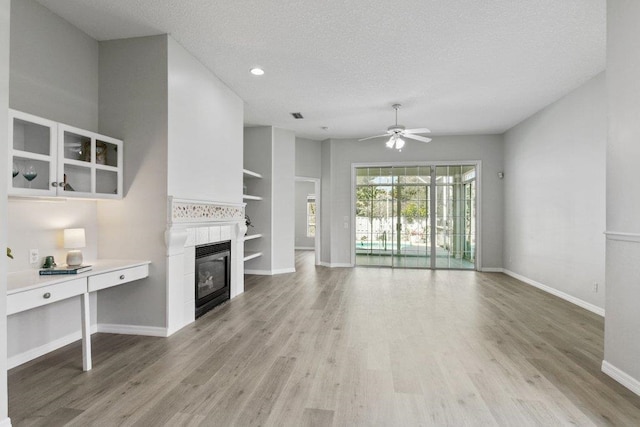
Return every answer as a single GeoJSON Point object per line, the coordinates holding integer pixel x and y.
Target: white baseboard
{"type": "Point", "coordinates": [577, 301]}
{"type": "Point", "coordinates": [492, 270]}
{"type": "Point", "coordinates": [6, 422]}
{"type": "Point", "coordinates": [34, 353]}
{"type": "Point", "coordinates": [305, 248]}
{"type": "Point", "coordinates": [336, 265]}
{"type": "Point", "coordinates": [150, 331]}
{"type": "Point", "coordinates": [622, 377]}
{"type": "Point", "coordinates": [270, 272]}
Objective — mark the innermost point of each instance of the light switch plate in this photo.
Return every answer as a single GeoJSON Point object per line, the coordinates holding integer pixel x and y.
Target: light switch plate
{"type": "Point", "coordinates": [34, 256]}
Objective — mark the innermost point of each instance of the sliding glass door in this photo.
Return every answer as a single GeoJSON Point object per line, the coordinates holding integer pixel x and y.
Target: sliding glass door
{"type": "Point", "coordinates": [416, 217]}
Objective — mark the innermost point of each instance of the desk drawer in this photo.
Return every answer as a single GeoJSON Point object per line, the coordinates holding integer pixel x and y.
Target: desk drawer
{"type": "Point", "coordinates": [118, 277]}
{"type": "Point", "coordinates": [22, 301]}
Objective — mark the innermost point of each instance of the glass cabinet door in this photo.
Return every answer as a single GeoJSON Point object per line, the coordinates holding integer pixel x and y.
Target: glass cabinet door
{"type": "Point", "coordinates": [32, 155]}
{"type": "Point", "coordinates": [75, 163]}
{"type": "Point", "coordinates": [108, 167]}
{"type": "Point", "coordinates": [91, 164]}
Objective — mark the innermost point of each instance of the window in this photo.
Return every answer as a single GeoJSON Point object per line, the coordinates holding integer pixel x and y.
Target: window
{"type": "Point", "coordinates": [311, 215]}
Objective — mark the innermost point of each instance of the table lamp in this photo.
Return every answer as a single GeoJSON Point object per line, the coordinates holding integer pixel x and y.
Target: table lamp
{"type": "Point", "coordinates": [74, 240]}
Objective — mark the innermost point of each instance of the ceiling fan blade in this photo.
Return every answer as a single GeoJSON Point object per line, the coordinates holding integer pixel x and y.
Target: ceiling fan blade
{"type": "Point", "coordinates": [417, 137]}
{"type": "Point", "coordinates": [419, 130]}
{"type": "Point", "coordinates": [371, 137]}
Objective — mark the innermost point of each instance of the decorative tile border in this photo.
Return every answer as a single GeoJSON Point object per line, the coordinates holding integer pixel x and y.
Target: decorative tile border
{"type": "Point", "coordinates": [190, 211]}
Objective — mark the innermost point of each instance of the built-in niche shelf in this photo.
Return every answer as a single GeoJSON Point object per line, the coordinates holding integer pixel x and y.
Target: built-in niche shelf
{"type": "Point", "coordinates": [251, 176]}
{"type": "Point", "coordinates": [251, 255]}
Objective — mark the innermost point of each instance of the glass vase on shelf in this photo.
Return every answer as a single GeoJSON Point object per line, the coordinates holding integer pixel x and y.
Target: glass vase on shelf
{"type": "Point", "coordinates": [30, 174]}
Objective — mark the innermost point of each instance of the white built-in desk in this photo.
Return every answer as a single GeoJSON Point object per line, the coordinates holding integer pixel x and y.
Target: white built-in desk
{"type": "Point", "coordinates": [27, 290]}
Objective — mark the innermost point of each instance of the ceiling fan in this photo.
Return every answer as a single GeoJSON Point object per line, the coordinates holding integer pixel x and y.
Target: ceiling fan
{"type": "Point", "coordinates": [397, 131]}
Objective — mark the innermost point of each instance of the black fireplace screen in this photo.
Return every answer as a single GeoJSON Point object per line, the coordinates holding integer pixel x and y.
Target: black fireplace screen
{"type": "Point", "coordinates": [213, 275]}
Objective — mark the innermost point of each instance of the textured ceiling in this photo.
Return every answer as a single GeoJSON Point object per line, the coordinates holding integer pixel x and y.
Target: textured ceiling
{"type": "Point", "coordinates": [457, 66]}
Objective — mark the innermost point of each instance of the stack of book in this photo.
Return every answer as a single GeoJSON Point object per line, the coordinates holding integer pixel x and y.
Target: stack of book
{"type": "Point", "coordinates": [64, 270]}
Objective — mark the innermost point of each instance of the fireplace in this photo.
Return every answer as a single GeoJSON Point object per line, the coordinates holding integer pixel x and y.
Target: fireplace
{"type": "Point", "coordinates": [213, 275]}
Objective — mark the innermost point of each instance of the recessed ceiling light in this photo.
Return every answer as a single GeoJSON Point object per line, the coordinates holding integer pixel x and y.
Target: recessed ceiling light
{"type": "Point", "coordinates": [257, 71]}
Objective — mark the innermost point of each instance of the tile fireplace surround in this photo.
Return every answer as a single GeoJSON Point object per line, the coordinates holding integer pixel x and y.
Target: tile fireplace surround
{"type": "Point", "coordinates": [191, 223]}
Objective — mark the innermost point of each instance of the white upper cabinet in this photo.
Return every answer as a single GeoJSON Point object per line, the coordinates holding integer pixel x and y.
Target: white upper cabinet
{"type": "Point", "coordinates": [53, 159]}
{"type": "Point", "coordinates": [32, 154]}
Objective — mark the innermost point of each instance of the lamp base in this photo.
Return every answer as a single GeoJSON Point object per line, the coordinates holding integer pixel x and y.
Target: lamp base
{"type": "Point", "coordinates": [74, 258]}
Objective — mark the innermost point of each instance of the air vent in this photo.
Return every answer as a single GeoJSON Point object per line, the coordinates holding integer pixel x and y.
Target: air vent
{"type": "Point", "coordinates": [297, 115]}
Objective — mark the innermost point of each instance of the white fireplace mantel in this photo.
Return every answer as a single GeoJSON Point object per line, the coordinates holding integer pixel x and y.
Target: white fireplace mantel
{"type": "Point", "coordinates": [191, 223]}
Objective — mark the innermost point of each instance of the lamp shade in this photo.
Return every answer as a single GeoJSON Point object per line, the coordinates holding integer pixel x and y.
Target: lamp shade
{"type": "Point", "coordinates": [74, 238]}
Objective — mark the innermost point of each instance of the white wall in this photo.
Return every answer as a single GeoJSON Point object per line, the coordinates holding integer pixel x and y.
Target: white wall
{"type": "Point", "coordinates": [205, 132]}
{"type": "Point", "coordinates": [303, 189]}
{"type": "Point", "coordinates": [308, 155]}
{"type": "Point", "coordinates": [555, 192]}
{"type": "Point", "coordinates": [4, 173]}
{"type": "Point", "coordinates": [133, 107]}
{"type": "Point", "coordinates": [622, 326]}
{"type": "Point", "coordinates": [283, 216]}
{"type": "Point", "coordinates": [337, 188]}
{"type": "Point", "coordinates": [53, 74]}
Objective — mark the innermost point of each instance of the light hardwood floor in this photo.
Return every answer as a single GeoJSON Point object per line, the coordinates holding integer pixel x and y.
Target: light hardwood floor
{"type": "Point", "coordinates": [342, 347]}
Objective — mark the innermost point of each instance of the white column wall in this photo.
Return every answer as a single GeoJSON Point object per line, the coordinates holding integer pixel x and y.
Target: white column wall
{"type": "Point", "coordinates": [622, 325]}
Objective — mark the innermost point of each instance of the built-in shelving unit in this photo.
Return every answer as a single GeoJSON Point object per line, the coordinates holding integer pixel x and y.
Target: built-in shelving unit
{"type": "Point", "coordinates": [251, 255]}
{"type": "Point", "coordinates": [250, 175]}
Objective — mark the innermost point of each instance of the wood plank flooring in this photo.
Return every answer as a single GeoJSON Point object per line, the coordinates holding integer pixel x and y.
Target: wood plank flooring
{"type": "Point", "coordinates": [343, 347]}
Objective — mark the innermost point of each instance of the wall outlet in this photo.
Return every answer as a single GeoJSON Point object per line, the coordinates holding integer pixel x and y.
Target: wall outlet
{"type": "Point", "coordinates": [34, 256]}
{"type": "Point", "coordinates": [595, 286]}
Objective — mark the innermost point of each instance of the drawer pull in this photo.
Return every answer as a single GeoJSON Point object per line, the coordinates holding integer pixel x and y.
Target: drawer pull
{"type": "Point", "coordinates": [122, 277]}
{"type": "Point", "coordinates": [47, 295]}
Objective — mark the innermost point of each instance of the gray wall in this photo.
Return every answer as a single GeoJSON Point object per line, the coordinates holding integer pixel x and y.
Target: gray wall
{"type": "Point", "coordinates": [326, 201]}
{"type": "Point", "coordinates": [555, 194]}
{"type": "Point", "coordinates": [622, 327]}
{"type": "Point", "coordinates": [54, 67]}
{"type": "Point", "coordinates": [133, 107]}
{"type": "Point", "coordinates": [4, 105]}
{"type": "Point", "coordinates": [303, 189]}
{"type": "Point", "coordinates": [308, 155]}
{"type": "Point", "coordinates": [53, 74]}
{"type": "Point", "coordinates": [283, 237]}
{"type": "Point", "coordinates": [343, 153]}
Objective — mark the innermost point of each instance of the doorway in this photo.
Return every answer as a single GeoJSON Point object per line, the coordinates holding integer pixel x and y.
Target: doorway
{"type": "Point", "coordinates": [421, 216]}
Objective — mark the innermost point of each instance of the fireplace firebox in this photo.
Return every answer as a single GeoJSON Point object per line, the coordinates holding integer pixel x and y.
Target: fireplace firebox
{"type": "Point", "coordinates": [213, 276]}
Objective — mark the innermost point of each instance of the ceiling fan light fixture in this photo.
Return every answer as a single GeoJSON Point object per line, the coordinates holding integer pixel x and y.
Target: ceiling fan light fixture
{"type": "Point", "coordinates": [396, 131]}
